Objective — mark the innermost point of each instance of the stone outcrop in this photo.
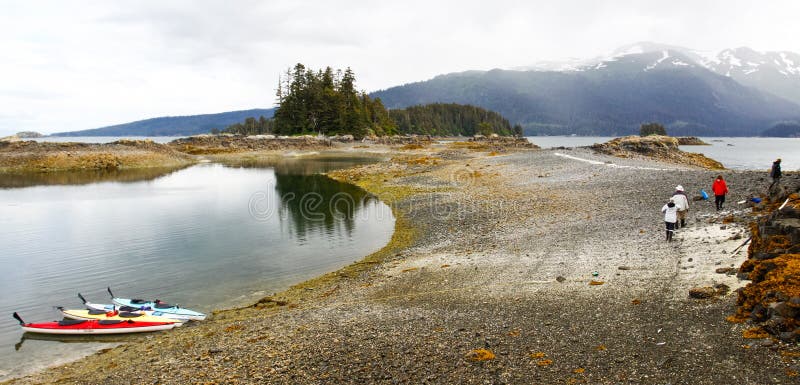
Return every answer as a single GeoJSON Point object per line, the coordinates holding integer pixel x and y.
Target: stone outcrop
{"type": "Point", "coordinates": [691, 141]}
{"type": "Point", "coordinates": [664, 148]}
{"type": "Point", "coordinates": [421, 140]}
{"type": "Point", "coordinates": [223, 144]}
{"type": "Point", "coordinates": [503, 141]}
{"type": "Point", "coordinates": [772, 299]}
{"type": "Point", "coordinates": [21, 156]}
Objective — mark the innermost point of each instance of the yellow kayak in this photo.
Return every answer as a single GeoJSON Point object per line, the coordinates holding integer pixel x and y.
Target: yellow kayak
{"type": "Point", "coordinates": [116, 315]}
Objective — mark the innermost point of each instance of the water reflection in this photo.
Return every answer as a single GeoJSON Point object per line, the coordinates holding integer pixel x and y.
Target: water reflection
{"type": "Point", "coordinates": [312, 202]}
{"type": "Point", "coordinates": [63, 178]}
{"type": "Point", "coordinates": [301, 165]}
{"type": "Point", "coordinates": [318, 203]}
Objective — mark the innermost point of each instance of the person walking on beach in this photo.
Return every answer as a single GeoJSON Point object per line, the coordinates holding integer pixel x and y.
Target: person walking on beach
{"type": "Point", "coordinates": [670, 211]}
{"type": "Point", "coordinates": [720, 189]}
{"type": "Point", "coordinates": [775, 173]}
{"type": "Point", "coordinates": [682, 204]}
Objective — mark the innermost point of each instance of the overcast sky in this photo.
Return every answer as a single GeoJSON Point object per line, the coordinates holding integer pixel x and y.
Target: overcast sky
{"type": "Point", "coordinates": [70, 65]}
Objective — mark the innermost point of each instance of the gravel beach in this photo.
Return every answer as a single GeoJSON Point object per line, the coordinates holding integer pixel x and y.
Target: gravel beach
{"type": "Point", "coordinates": [529, 266]}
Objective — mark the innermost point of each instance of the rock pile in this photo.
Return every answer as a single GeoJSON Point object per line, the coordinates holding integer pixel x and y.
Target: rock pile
{"type": "Point", "coordinates": [663, 148]}
{"type": "Point", "coordinates": [772, 299]}
{"type": "Point", "coordinates": [422, 140]}
{"type": "Point", "coordinates": [60, 156]}
{"type": "Point", "coordinates": [221, 144]}
{"type": "Point", "coordinates": [691, 141]}
{"type": "Point", "coordinates": [503, 141]}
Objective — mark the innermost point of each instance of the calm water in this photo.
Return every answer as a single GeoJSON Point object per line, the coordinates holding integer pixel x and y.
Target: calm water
{"type": "Point", "coordinates": [734, 153]}
{"type": "Point", "coordinates": [206, 237]}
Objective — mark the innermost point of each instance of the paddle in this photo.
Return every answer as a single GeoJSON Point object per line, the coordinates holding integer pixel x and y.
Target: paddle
{"type": "Point", "coordinates": [109, 292]}
{"type": "Point", "coordinates": [82, 299]}
{"type": "Point", "coordinates": [18, 318]}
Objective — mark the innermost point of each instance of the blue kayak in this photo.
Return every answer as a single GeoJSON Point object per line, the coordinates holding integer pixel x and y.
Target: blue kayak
{"type": "Point", "coordinates": [157, 305]}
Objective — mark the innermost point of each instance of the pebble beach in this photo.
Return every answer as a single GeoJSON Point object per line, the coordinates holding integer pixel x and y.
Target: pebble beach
{"type": "Point", "coordinates": [510, 267]}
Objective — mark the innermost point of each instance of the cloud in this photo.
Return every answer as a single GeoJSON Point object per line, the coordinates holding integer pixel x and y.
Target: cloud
{"type": "Point", "coordinates": [83, 64]}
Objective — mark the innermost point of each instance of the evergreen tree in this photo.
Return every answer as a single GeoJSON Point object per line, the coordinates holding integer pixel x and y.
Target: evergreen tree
{"type": "Point", "coordinates": [652, 129]}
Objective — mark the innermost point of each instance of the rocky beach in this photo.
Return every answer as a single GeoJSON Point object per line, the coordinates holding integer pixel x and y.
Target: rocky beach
{"type": "Point", "coordinates": [508, 265]}
{"type": "Point", "coordinates": [29, 156]}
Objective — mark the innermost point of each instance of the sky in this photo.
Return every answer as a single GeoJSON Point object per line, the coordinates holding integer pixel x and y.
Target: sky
{"type": "Point", "coordinates": [72, 65]}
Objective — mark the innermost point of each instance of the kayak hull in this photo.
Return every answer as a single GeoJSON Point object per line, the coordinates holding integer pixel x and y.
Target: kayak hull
{"type": "Point", "coordinates": [95, 327]}
{"type": "Point", "coordinates": [119, 316]}
{"type": "Point", "coordinates": [112, 307]}
{"type": "Point", "coordinates": [185, 313]}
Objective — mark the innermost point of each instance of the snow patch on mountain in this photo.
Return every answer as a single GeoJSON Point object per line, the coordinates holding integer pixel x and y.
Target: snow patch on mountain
{"type": "Point", "coordinates": [777, 72]}
{"type": "Point", "coordinates": [664, 56]}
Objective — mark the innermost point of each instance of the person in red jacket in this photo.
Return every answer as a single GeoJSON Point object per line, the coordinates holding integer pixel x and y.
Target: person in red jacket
{"type": "Point", "coordinates": [720, 190]}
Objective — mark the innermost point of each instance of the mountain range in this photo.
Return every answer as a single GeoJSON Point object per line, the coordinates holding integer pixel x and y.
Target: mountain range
{"type": "Point", "coordinates": [174, 125]}
{"type": "Point", "coordinates": [737, 92]}
{"type": "Point", "coordinates": [734, 92]}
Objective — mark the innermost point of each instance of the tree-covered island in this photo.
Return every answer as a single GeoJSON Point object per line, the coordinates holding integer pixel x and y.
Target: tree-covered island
{"type": "Point", "coordinates": [326, 102]}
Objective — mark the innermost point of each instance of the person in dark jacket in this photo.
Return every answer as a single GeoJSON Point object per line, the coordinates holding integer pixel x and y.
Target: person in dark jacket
{"type": "Point", "coordinates": [775, 173]}
{"type": "Point", "coordinates": [720, 189]}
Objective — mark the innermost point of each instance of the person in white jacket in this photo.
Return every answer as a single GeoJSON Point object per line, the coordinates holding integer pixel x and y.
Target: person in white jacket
{"type": "Point", "coordinates": [670, 211]}
{"type": "Point", "coordinates": [682, 203]}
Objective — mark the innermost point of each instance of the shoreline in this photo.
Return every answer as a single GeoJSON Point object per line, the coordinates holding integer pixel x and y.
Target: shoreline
{"type": "Point", "coordinates": [451, 281]}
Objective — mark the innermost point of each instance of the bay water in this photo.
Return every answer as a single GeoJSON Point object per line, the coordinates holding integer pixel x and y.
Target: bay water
{"type": "Point", "coordinates": [206, 237]}
{"type": "Point", "coordinates": [737, 153]}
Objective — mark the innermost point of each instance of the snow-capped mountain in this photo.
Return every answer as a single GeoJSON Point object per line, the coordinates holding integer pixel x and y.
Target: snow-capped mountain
{"type": "Point", "coordinates": [775, 72]}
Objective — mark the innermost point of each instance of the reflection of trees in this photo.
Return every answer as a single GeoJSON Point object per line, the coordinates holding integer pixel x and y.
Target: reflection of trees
{"type": "Point", "coordinates": [316, 202]}
{"type": "Point", "coordinates": [27, 179]}
{"type": "Point", "coordinates": [301, 166]}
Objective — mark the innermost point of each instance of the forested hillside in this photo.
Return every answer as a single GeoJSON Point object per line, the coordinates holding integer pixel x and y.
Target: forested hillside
{"type": "Point", "coordinates": [451, 120]}
{"type": "Point", "coordinates": [783, 130]}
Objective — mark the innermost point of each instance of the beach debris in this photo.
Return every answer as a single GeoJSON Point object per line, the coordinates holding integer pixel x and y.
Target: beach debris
{"type": "Point", "coordinates": [755, 333]}
{"type": "Point", "coordinates": [560, 279]}
{"type": "Point", "coordinates": [636, 301]}
{"type": "Point", "coordinates": [702, 292]}
{"type": "Point", "coordinates": [478, 355]}
{"type": "Point", "coordinates": [595, 283]}
{"type": "Point", "coordinates": [544, 362]}
{"type": "Point", "coordinates": [624, 268]}
{"type": "Point", "coordinates": [538, 355]}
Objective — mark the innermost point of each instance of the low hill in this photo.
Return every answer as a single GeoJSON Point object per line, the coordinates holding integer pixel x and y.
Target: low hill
{"type": "Point", "coordinates": [173, 125]}
{"type": "Point", "coordinates": [783, 130]}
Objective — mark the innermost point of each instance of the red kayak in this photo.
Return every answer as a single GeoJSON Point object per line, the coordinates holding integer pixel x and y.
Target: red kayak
{"type": "Point", "coordinates": [69, 326]}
